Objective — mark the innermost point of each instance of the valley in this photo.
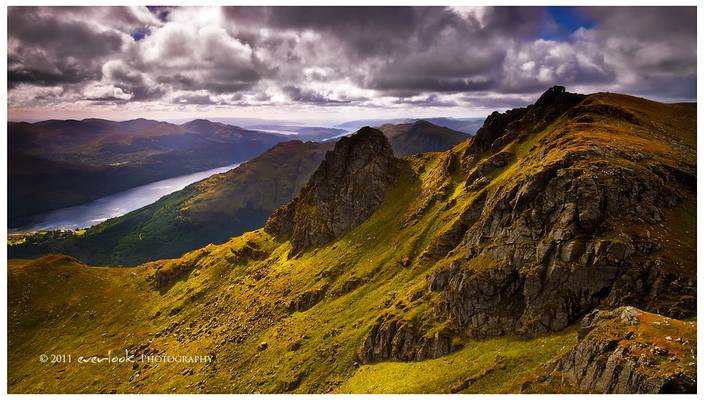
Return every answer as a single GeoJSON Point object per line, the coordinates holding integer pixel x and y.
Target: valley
{"type": "Point", "coordinates": [75, 162]}
{"type": "Point", "coordinates": [86, 215]}
{"type": "Point", "coordinates": [210, 211]}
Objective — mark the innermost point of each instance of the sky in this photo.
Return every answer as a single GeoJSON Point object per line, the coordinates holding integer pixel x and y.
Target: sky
{"type": "Point", "coordinates": [336, 63]}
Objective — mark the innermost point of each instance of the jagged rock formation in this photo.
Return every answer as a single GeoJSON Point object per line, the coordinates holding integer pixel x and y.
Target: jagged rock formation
{"type": "Point", "coordinates": [630, 351]}
{"type": "Point", "coordinates": [344, 191]}
{"type": "Point", "coordinates": [550, 244]}
{"type": "Point", "coordinates": [501, 128]}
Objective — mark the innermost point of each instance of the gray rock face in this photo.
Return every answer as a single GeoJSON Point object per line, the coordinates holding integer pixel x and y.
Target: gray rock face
{"type": "Point", "coordinates": [347, 188]}
{"type": "Point", "coordinates": [611, 358]}
{"type": "Point", "coordinates": [548, 262]}
{"type": "Point", "coordinates": [400, 341]}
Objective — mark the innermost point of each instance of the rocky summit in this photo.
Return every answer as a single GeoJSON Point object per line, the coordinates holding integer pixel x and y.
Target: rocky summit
{"type": "Point", "coordinates": [555, 252]}
{"type": "Point", "coordinates": [347, 188]}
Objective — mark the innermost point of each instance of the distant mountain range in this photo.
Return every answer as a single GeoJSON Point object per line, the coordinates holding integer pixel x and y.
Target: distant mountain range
{"type": "Point", "coordinates": [420, 136]}
{"type": "Point", "coordinates": [222, 206]}
{"type": "Point", "coordinates": [465, 125]}
{"type": "Point", "coordinates": [60, 163]}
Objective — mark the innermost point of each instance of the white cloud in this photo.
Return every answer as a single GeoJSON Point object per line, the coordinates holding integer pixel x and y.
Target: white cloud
{"type": "Point", "coordinates": [101, 91]}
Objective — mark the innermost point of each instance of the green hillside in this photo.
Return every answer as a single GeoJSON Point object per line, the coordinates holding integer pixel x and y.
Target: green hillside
{"type": "Point", "coordinates": [74, 162]}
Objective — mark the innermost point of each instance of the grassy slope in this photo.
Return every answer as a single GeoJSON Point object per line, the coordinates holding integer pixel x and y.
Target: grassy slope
{"type": "Point", "coordinates": [246, 302]}
{"type": "Point", "coordinates": [225, 304]}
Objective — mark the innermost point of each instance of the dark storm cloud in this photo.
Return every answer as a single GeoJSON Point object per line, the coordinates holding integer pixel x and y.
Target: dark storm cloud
{"type": "Point", "coordinates": [424, 82]}
{"type": "Point", "coordinates": [46, 50]}
{"type": "Point", "coordinates": [301, 95]}
{"type": "Point", "coordinates": [655, 45]}
{"type": "Point", "coordinates": [218, 81]}
{"type": "Point", "coordinates": [106, 99]}
{"type": "Point", "coordinates": [645, 23]}
{"type": "Point", "coordinates": [332, 56]}
{"type": "Point", "coordinates": [364, 31]}
{"type": "Point", "coordinates": [493, 101]}
{"type": "Point", "coordinates": [413, 49]}
{"type": "Point", "coordinates": [518, 22]}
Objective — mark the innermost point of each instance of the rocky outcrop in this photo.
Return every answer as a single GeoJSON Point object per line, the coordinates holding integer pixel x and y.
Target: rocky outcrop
{"type": "Point", "coordinates": [630, 351]}
{"type": "Point", "coordinates": [397, 340]}
{"type": "Point", "coordinates": [307, 299]}
{"type": "Point", "coordinates": [491, 164]}
{"type": "Point", "coordinates": [495, 127]}
{"type": "Point", "coordinates": [348, 186]}
{"type": "Point", "coordinates": [501, 128]}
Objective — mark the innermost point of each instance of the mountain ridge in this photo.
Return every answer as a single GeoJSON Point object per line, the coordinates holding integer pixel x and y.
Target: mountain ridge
{"type": "Point", "coordinates": [411, 138]}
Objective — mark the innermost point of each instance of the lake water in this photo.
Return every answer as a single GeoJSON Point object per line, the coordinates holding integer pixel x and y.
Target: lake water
{"type": "Point", "coordinates": [114, 205]}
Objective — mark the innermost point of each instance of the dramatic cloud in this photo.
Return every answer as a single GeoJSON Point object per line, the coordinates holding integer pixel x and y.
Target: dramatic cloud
{"type": "Point", "coordinates": [385, 60]}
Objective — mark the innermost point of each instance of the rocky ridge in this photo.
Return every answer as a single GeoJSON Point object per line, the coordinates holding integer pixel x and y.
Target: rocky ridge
{"type": "Point", "coordinates": [569, 228]}
{"type": "Point", "coordinates": [348, 186]}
